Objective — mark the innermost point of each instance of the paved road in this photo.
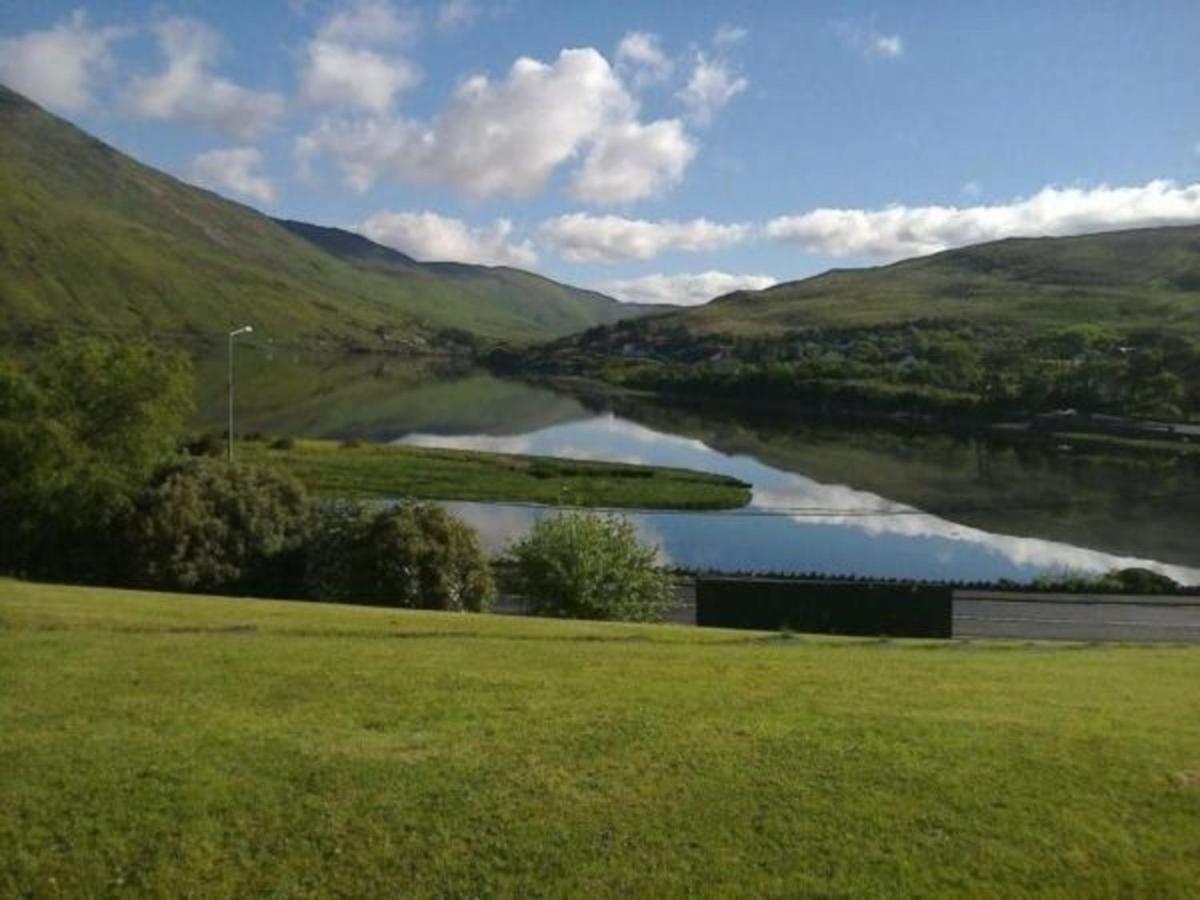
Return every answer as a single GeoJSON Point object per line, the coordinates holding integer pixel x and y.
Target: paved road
{"type": "Point", "coordinates": [1076, 617]}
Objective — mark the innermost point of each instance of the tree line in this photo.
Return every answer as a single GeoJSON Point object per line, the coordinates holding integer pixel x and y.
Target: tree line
{"type": "Point", "coordinates": [103, 485]}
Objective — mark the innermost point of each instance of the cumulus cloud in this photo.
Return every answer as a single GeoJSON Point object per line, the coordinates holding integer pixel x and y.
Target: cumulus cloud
{"type": "Point", "coordinates": [641, 56]}
{"type": "Point", "coordinates": [340, 75]}
{"type": "Point", "coordinates": [187, 91]}
{"type": "Point", "coordinates": [711, 86]}
{"type": "Point", "coordinates": [684, 289]}
{"type": "Point", "coordinates": [868, 41]}
{"type": "Point", "coordinates": [58, 67]}
{"type": "Point", "coordinates": [428, 236]}
{"type": "Point", "coordinates": [456, 13]}
{"type": "Point", "coordinates": [508, 137]}
{"type": "Point", "coordinates": [371, 22]}
{"type": "Point", "coordinates": [580, 237]}
{"type": "Point", "coordinates": [630, 161]}
{"type": "Point", "coordinates": [233, 170]}
{"type": "Point", "coordinates": [900, 231]}
{"type": "Point", "coordinates": [343, 67]}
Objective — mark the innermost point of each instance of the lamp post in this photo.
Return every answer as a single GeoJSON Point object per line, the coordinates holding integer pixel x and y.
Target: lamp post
{"type": "Point", "coordinates": [245, 329]}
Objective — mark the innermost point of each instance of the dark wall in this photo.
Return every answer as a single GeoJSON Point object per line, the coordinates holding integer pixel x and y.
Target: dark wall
{"type": "Point", "coordinates": [822, 607]}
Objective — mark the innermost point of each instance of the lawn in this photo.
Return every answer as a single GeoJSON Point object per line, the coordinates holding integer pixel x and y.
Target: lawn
{"type": "Point", "coordinates": [174, 746]}
{"type": "Point", "coordinates": [382, 470]}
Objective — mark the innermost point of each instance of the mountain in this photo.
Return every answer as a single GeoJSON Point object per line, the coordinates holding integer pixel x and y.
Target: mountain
{"type": "Point", "coordinates": [552, 307]}
{"type": "Point", "coordinates": [1129, 280]}
{"type": "Point", "coordinates": [91, 239]}
{"type": "Point", "coordinates": [1104, 323]}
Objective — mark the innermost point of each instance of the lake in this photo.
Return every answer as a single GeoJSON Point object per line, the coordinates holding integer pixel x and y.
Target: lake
{"type": "Point", "coordinates": [826, 498]}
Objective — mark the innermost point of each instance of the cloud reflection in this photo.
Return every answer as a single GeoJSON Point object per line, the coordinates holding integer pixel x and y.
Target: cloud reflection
{"type": "Point", "coordinates": [793, 523]}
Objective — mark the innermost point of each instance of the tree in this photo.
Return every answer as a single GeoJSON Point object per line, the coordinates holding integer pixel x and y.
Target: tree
{"type": "Point", "coordinates": [417, 555]}
{"type": "Point", "coordinates": [80, 432]}
{"type": "Point", "coordinates": [588, 566]}
{"type": "Point", "coordinates": [211, 526]}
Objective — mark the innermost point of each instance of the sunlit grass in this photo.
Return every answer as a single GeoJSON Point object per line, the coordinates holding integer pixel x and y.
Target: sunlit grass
{"type": "Point", "coordinates": [178, 746]}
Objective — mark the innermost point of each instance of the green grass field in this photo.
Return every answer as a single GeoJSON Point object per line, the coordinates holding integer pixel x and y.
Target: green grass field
{"type": "Point", "coordinates": [380, 470]}
{"type": "Point", "coordinates": [171, 746]}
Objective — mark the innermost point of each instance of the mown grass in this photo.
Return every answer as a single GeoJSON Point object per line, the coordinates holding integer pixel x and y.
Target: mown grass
{"type": "Point", "coordinates": [176, 746]}
{"type": "Point", "coordinates": [378, 470]}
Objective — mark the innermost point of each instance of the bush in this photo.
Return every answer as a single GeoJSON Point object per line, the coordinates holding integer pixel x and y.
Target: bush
{"type": "Point", "coordinates": [210, 444]}
{"type": "Point", "coordinates": [212, 526]}
{"type": "Point", "coordinates": [418, 556]}
{"type": "Point", "coordinates": [1141, 581]}
{"type": "Point", "coordinates": [334, 551]}
{"type": "Point", "coordinates": [283, 443]}
{"type": "Point", "coordinates": [588, 566]}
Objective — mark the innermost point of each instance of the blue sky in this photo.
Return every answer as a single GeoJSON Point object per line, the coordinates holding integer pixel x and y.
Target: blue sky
{"type": "Point", "coordinates": [661, 151]}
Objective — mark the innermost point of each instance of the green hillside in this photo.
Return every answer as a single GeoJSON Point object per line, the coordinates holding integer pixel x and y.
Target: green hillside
{"type": "Point", "coordinates": [553, 307]}
{"type": "Point", "coordinates": [92, 239]}
{"type": "Point", "coordinates": [1130, 280]}
{"type": "Point", "coordinates": [1105, 323]}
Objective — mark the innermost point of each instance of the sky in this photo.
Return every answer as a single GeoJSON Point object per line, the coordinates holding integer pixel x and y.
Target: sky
{"type": "Point", "coordinates": [663, 152]}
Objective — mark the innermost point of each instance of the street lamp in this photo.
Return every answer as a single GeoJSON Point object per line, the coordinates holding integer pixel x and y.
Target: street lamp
{"type": "Point", "coordinates": [245, 329]}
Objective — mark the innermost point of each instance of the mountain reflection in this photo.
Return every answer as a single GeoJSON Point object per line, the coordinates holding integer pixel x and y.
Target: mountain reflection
{"type": "Point", "coordinates": [794, 523]}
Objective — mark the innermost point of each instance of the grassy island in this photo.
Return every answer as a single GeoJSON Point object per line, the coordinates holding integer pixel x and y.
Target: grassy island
{"type": "Point", "coordinates": [387, 470]}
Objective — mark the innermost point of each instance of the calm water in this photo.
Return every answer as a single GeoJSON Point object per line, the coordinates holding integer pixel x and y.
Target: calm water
{"type": "Point", "coordinates": [794, 523]}
{"type": "Point", "coordinates": [826, 498]}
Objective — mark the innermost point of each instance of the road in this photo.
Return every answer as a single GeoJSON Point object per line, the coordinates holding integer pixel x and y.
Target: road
{"type": "Point", "coordinates": [1076, 617]}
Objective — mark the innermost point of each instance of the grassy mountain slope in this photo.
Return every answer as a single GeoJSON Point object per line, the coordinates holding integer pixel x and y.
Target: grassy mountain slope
{"type": "Point", "coordinates": [552, 307]}
{"type": "Point", "coordinates": [1147, 278]}
{"type": "Point", "coordinates": [1104, 323]}
{"type": "Point", "coordinates": [90, 238]}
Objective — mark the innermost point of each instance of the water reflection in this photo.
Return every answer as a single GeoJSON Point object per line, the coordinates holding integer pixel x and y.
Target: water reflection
{"type": "Point", "coordinates": [863, 499]}
{"type": "Point", "coordinates": [794, 523]}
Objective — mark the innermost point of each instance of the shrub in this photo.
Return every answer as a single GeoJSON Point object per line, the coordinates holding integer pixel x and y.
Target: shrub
{"type": "Point", "coordinates": [283, 443]}
{"type": "Point", "coordinates": [1141, 581]}
{"type": "Point", "coordinates": [211, 526]}
{"type": "Point", "coordinates": [588, 566]}
{"type": "Point", "coordinates": [417, 555]}
{"type": "Point", "coordinates": [334, 551]}
{"type": "Point", "coordinates": [210, 444]}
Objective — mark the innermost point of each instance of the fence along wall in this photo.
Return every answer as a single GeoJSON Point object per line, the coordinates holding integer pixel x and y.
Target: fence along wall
{"type": "Point", "coordinates": [826, 607]}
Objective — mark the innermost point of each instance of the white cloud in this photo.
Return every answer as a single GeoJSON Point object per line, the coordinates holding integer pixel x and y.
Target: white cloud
{"type": "Point", "coordinates": [868, 41]}
{"type": "Point", "coordinates": [889, 46]}
{"type": "Point", "coordinates": [339, 75]}
{"type": "Point", "coordinates": [428, 236]}
{"type": "Point", "coordinates": [727, 35]}
{"type": "Point", "coordinates": [640, 55]}
{"type": "Point", "coordinates": [233, 170]}
{"type": "Point", "coordinates": [629, 161]}
{"type": "Point", "coordinates": [584, 238]}
{"type": "Point", "coordinates": [685, 289]}
{"type": "Point", "coordinates": [58, 67]}
{"type": "Point", "coordinates": [900, 231]}
{"type": "Point", "coordinates": [186, 90]}
{"type": "Point", "coordinates": [455, 13]}
{"type": "Point", "coordinates": [508, 137]}
{"type": "Point", "coordinates": [711, 86]}
{"type": "Point", "coordinates": [371, 22]}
